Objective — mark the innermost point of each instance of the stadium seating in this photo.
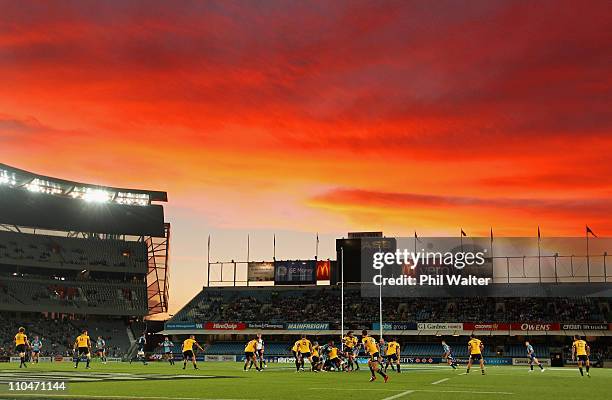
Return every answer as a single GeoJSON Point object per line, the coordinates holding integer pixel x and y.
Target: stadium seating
{"type": "Point", "coordinates": [29, 249]}
{"type": "Point", "coordinates": [79, 295]}
{"type": "Point", "coordinates": [323, 304]}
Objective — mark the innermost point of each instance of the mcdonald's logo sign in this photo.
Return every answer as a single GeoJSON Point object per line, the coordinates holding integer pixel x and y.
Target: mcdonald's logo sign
{"type": "Point", "coordinates": [323, 270]}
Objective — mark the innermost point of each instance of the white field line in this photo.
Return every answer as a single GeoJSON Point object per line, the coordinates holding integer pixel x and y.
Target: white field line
{"type": "Point", "coordinates": [461, 391]}
{"type": "Point", "coordinates": [402, 394]}
{"type": "Point", "coordinates": [440, 381]}
{"type": "Point", "coordinates": [414, 390]}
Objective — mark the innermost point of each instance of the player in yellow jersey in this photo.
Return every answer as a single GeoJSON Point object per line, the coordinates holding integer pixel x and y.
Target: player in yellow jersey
{"type": "Point", "coordinates": [350, 343]}
{"type": "Point", "coordinates": [392, 354]}
{"type": "Point", "coordinates": [475, 348]}
{"type": "Point", "coordinates": [316, 356]}
{"type": "Point", "coordinates": [333, 357]}
{"type": "Point", "coordinates": [82, 348]}
{"type": "Point", "coordinates": [21, 346]}
{"type": "Point", "coordinates": [305, 350]}
{"type": "Point", "coordinates": [296, 354]}
{"type": "Point", "coordinates": [372, 349]}
{"type": "Point", "coordinates": [249, 354]}
{"type": "Point", "coordinates": [188, 352]}
{"type": "Point", "coordinates": [581, 350]}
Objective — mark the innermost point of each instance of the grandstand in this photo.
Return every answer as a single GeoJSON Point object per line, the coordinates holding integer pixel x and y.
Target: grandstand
{"type": "Point", "coordinates": [277, 305]}
{"type": "Point", "coordinates": [75, 255]}
{"type": "Point", "coordinates": [227, 314]}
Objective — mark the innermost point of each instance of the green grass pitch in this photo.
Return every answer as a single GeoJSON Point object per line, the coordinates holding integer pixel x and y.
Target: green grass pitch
{"type": "Point", "coordinates": [160, 381]}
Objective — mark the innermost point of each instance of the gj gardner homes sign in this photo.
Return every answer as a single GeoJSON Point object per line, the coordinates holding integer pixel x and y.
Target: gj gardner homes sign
{"type": "Point", "coordinates": [440, 326]}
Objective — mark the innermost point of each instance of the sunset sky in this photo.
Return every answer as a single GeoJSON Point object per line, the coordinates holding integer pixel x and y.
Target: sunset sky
{"type": "Point", "coordinates": [301, 117]}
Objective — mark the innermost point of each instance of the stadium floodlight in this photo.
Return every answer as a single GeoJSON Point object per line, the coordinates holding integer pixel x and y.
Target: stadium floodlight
{"type": "Point", "coordinates": [140, 199]}
{"type": "Point", "coordinates": [42, 186]}
{"type": "Point", "coordinates": [7, 178]}
{"type": "Point", "coordinates": [97, 196]}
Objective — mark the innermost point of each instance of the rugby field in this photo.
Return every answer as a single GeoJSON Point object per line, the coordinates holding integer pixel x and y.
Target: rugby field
{"type": "Point", "coordinates": [160, 381]}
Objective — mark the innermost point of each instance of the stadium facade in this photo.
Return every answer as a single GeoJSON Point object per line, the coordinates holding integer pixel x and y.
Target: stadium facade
{"type": "Point", "coordinates": [84, 254]}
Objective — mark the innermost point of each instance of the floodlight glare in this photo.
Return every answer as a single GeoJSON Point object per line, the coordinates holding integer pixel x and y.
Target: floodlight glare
{"type": "Point", "coordinates": [96, 196]}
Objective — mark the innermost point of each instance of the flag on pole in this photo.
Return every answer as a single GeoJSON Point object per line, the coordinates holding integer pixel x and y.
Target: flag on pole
{"type": "Point", "coordinates": [539, 234]}
{"type": "Point", "coordinates": [589, 230]}
{"type": "Point", "coordinates": [463, 233]}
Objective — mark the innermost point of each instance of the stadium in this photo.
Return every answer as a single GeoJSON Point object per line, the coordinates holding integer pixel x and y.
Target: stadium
{"type": "Point", "coordinates": [266, 200]}
{"type": "Point", "coordinates": [77, 256]}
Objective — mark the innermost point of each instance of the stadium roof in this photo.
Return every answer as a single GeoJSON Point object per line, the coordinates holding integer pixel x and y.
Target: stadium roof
{"type": "Point", "coordinates": [20, 178]}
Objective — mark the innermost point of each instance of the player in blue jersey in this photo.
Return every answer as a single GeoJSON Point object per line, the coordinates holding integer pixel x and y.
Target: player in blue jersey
{"type": "Point", "coordinates": [140, 355]}
{"type": "Point", "coordinates": [532, 357]}
{"type": "Point", "coordinates": [448, 355]}
{"type": "Point", "coordinates": [101, 349]}
{"type": "Point", "coordinates": [168, 346]}
{"type": "Point", "coordinates": [36, 347]}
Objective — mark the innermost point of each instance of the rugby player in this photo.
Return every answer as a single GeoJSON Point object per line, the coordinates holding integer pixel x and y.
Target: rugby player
{"type": "Point", "coordinates": [581, 350]}
{"type": "Point", "coordinates": [36, 347]}
{"type": "Point", "coordinates": [82, 347]}
{"type": "Point", "coordinates": [101, 349]}
{"type": "Point", "coordinates": [140, 354]}
{"type": "Point", "coordinates": [249, 354]}
{"type": "Point", "coordinates": [532, 357]}
{"type": "Point", "coordinates": [448, 355]}
{"type": "Point", "coordinates": [371, 348]}
{"type": "Point", "coordinates": [316, 356]}
{"type": "Point", "coordinates": [167, 346]}
{"type": "Point", "coordinates": [21, 346]}
{"type": "Point", "coordinates": [475, 348]}
{"type": "Point", "coordinates": [333, 358]}
{"type": "Point", "coordinates": [296, 354]}
{"type": "Point", "coordinates": [305, 350]}
{"type": "Point", "coordinates": [392, 354]}
{"type": "Point", "coordinates": [350, 343]}
{"type": "Point", "coordinates": [188, 352]}
{"type": "Point", "coordinates": [259, 352]}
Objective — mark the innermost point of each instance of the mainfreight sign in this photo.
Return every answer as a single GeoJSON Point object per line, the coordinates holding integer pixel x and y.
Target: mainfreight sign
{"type": "Point", "coordinates": [308, 326]}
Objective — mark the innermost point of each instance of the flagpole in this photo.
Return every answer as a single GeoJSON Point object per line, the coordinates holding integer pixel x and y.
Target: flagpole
{"type": "Point", "coordinates": [380, 305]}
{"type": "Point", "coordinates": [274, 248]}
{"type": "Point", "coordinates": [208, 262]}
{"type": "Point", "coordinates": [539, 259]}
{"type": "Point", "coordinates": [317, 248]}
{"type": "Point", "coordinates": [587, 249]}
{"type": "Point", "coordinates": [492, 260]}
{"type": "Point", "coordinates": [461, 239]}
{"type": "Point", "coordinates": [341, 293]}
{"type": "Point", "coordinates": [248, 256]}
